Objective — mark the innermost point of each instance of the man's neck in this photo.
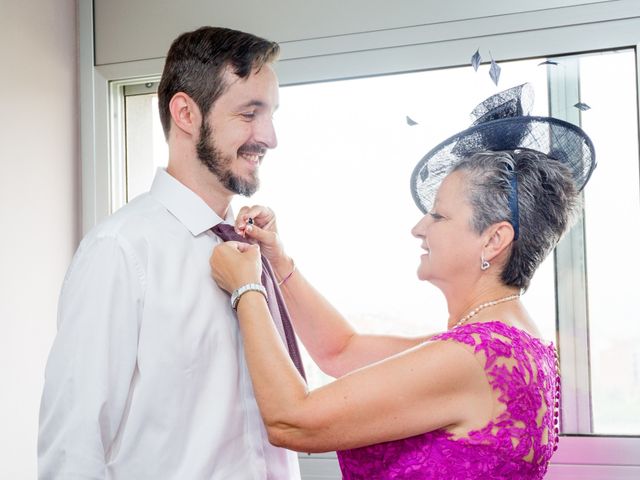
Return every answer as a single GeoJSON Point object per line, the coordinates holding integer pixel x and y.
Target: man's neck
{"type": "Point", "coordinates": [204, 184]}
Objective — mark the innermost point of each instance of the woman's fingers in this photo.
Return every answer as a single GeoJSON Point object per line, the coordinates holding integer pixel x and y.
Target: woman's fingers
{"type": "Point", "coordinates": [261, 235]}
{"type": "Point", "coordinates": [269, 241]}
{"type": "Point", "coordinates": [258, 225]}
{"type": "Point", "coordinates": [243, 247]}
{"type": "Point", "coordinates": [235, 251]}
{"type": "Point", "coordinates": [258, 215]}
{"type": "Point", "coordinates": [234, 264]}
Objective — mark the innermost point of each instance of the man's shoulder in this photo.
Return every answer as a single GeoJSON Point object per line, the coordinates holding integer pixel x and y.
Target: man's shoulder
{"type": "Point", "coordinates": [143, 217]}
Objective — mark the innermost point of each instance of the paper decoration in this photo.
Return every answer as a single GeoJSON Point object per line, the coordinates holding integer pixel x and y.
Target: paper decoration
{"type": "Point", "coordinates": [494, 71]}
{"type": "Point", "coordinates": [475, 60]}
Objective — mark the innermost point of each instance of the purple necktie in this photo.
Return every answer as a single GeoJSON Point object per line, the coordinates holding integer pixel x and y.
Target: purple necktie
{"type": "Point", "coordinates": [277, 307]}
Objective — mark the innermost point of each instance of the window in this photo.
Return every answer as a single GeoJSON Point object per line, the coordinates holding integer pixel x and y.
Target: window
{"type": "Point", "coordinates": [346, 149]}
{"type": "Point", "coordinates": [345, 152]}
{"type": "Point", "coordinates": [339, 184]}
{"type": "Point", "coordinates": [146, 149]}
{"type": "Point", "coordinates": [612, 201]}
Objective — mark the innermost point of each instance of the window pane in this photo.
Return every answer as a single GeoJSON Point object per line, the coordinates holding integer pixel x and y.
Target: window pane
{"type": "Point", "coordinates": [612, 205]}
{"type": "Point", "coordinates": [339, 182]}
{"type": "Point", "coordinates": [146, 148]}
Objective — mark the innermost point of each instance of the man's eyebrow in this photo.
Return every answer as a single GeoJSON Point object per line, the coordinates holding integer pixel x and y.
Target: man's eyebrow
{"type": "Point", "coordinates": [253, 103]}
{"type": "Point", "coordinates": [256, 103]}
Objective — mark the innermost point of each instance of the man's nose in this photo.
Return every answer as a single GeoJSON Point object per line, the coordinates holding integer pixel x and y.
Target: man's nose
{"type": "Point", "coordinates": [266, 134]}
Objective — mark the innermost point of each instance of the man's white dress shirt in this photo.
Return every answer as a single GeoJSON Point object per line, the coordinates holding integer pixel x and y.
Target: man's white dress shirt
{"type": "Point", "coordinates": [147, 378]}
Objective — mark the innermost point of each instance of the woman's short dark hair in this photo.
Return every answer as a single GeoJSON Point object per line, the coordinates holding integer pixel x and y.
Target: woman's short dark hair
{"type": "Point", "coordinates": [197, 60]}
{"type": "Point", "coordinates": [548, 203]}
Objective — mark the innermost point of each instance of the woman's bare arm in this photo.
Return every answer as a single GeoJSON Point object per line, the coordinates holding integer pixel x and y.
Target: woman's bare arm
{"type": "Point", "coordinates": [434, 385]}
{"type": "Point", "coordinates": [331, 341]}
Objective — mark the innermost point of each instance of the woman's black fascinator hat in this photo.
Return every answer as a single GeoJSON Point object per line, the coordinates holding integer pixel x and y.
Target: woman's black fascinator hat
{"type": "Point", "coordinates": [502, 122]}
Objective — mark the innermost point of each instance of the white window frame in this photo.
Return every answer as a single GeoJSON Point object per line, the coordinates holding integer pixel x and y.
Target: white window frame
{"type": "Point", "coordinates": [102, 154]}
{"type": "Point", "coordinates": [571, 280]}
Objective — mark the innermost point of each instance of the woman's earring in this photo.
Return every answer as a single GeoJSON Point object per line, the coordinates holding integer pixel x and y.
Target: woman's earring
{"type": "Point", "coordinates": [485, 264]}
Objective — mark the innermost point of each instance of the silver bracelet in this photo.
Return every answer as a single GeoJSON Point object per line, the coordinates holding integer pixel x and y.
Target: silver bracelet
{"type": "Point", "coordinates": [249, 287]}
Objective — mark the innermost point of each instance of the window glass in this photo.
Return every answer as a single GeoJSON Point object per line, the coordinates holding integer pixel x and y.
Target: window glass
{"type": "Point", "coordinates": [612, 224]}
{"type": "Point", "coordinates": [146, 149]}
{"type": "Point", "coordinates": [339, 183]}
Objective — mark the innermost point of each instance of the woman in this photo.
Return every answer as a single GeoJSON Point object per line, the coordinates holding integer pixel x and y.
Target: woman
{"type": "Point", "coordinates": [477, 401]}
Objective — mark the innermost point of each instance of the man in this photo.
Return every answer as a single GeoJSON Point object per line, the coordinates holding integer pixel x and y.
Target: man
{"type": "Point", "coordinates": [146, 378]}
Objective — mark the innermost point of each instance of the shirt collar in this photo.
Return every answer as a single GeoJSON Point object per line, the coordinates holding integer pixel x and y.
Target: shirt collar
{"type": "Point", "coordinates": [185, 205]}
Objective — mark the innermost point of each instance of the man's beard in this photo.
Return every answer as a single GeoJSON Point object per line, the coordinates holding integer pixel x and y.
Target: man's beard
{"type": "Point", "coordinates": [220, 165]}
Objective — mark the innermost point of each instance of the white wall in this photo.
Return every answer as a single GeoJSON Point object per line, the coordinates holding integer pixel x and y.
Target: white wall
{"type": "Point", "coordinates": [39, 178]}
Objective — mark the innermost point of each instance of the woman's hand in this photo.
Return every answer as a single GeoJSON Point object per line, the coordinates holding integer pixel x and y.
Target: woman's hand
{"type": "Point", "coordinates": [263, 230]}
{"type": "Point", "coordinates": [234, 264]}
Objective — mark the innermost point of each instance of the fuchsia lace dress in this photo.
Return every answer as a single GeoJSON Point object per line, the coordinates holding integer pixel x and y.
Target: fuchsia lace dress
{"type": "Point", "coordinates": [516, 445]}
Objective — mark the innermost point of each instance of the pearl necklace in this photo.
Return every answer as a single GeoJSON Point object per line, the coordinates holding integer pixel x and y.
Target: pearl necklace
{"type": "Point", "coordinates": [482, 306]}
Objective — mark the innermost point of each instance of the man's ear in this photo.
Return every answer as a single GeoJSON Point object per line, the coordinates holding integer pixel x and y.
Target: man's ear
{"type": "Point", "coordinates": [185, 114]}
{"type": "Point", "coordinates": [499, 237]}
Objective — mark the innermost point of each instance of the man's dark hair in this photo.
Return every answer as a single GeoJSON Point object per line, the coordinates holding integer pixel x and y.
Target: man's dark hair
{"type": "Point", "coordinates": [197, 61]}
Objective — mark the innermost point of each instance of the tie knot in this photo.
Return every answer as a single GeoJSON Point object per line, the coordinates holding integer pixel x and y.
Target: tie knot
{"type": "Point", "coordinates": [226, 232]}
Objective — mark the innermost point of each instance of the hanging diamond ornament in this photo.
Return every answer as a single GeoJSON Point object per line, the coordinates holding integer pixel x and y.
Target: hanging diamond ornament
{"type": "Point", "coordinates": [494, 71]}
{"type": "Point", "coordinates": [475, 60]}
{"type": "Point", "coordinates": [410, 121]}
{"type": "Point", "coordinates": [583, 107]}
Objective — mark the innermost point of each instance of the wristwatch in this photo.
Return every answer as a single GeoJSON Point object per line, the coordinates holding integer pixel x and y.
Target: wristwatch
{"type": "Point", "coordinates": [249, 287]}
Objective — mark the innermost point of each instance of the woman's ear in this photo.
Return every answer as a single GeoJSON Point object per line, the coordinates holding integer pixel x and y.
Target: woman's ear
{"type": "Point", "coordinates": [185, 114]}
{"type": "Point", "coordinates": [499, 238]}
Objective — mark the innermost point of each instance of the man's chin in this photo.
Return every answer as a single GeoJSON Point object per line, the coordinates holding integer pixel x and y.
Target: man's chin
{"type": "Point", "coordinates": [243, 187]}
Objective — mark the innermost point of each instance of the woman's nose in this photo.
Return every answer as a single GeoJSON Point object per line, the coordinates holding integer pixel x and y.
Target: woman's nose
{"type": "Point", "coordinates": [418, 230]}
